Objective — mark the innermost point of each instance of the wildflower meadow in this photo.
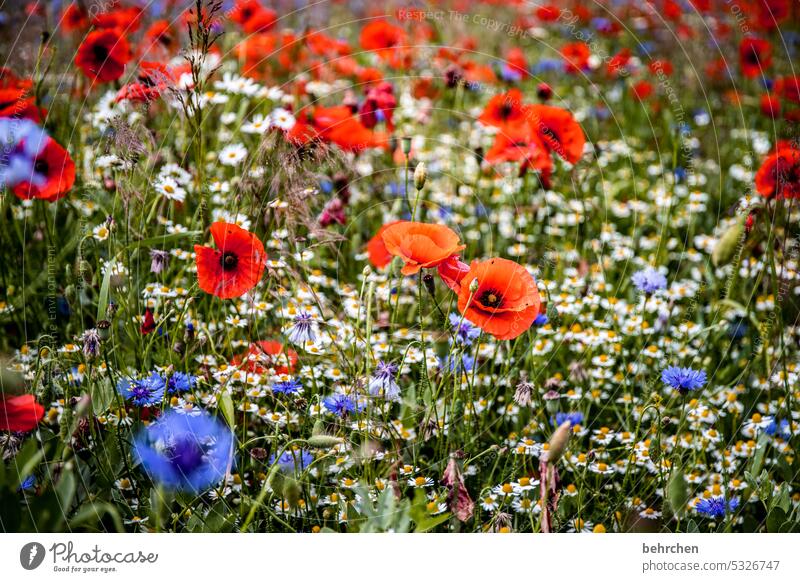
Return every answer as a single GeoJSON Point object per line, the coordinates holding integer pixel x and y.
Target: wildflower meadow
{"type": "Point", "coordinates": [446, 266]}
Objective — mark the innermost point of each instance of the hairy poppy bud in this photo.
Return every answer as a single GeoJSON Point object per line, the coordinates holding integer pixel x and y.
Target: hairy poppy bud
{"type": "Point", "coordinates": [558, 442]}
{"type": "Point", "coordinates": [420, 175]}
{"type": "Point", "coordinates": [727, 244]}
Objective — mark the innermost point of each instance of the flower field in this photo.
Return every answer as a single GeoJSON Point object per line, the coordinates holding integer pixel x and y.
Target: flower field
{"type": "Point", "coordinates": [457, 266]}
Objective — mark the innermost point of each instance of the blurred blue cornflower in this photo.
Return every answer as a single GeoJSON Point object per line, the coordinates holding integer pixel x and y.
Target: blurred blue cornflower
{"type": "Point", "coordinates": [780, 428]}
{"type": "Point", "coordinates": [185, 452]}
{"type": "Point", "coordinates": [574, 418]}
{"type": "Point", "coordinates": [22, 141]}
{"type": "Point", "coordinates": [143, 392]}
{"type": "Point", "coordinates": [383, 381]}
{"type": "Point", "coordinates": [294, 461]}
{"type": "Point", "coordinates": [683, 380]}
{"type": "Point", "coordinates": [649, 281]}
{"type": "Point", "coordinates": [464, 332]}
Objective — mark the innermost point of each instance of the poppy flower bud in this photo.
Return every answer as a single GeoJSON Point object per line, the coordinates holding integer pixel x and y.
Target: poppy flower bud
{"type": "Point", "coordinates": [473, 286]}
{"type": "Point", "coordinates": [104, 329]}
{"type": "Point", "coordinates": [558, 442]}
{"type": "Point", "coordinates": [324, 441]}
{"type": "Point", "coordinates": [406, 145]}
{"type": "Point", "coordinates": [544, 92]}
{"type": "Point", "coordinates": [420, 176]}
{"type": "Point", "coordinates": [727, 244]}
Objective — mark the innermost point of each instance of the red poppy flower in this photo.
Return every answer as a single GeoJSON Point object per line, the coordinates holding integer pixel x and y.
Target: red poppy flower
{"type": "Point", "coordinates": [661, 66]}
{"type": "Point", "coordinates": [160, 40]}
{"type": "Point", "coordinates": [151, 80]}
{"type": "Point", "coordinates": [507, 113]}
{"type": "Point", "coordinates": [770, 105]}
{"type": "Point", "coordinates": [337, 125]}
{"type": "Point", "coordinates": [103, 55]}
{"type": "Point", "coordinates": [265, 354]}
{"type": "Point", "coordinates": [642, 89]}
{"type": "Point", "coordinates": [616, 64]}
{"type": "Point", "coordinates": [515, 59]}
{"type": "Point", "coordinates": [74, 18]}
{"type": "Point", "coordinates": [506, 301]}
{"type": "Point", "coordinates": [125, 18]}
{"type": "Point", "coordinates": [558, 130]}
{"type": "Point", "coordinates": [379, 105]}
{"type": "Point", "coordinates": [235, 267]}
{"type": "Point", "coordinates": [53, 174]}
{"type": "Point", "coordinates": [548, 13]}
{"type": "Point", "coordinates": [381, 37]}
{"type": "Point", "coordinates": [529, 150]}
{"type": "Point", "coordinates": [779, 174]}
{"type": "Point", "coordinates": [452, 271]}
{"type": "Point", "coordinates": [788, 88]}
{"type": "Point", "coordinates": [576, 54]}
{"type": "Point", "coordinates": [771, 13]}
{"type": "Point", "coordinates": [148, 322]}
{"type": "Point", "coordinates": [20, 413]}
{"type": "Point", "coordinates": [14, 98]}
{"type": "Point", "coordinates": [755, 56]}
{"type": "Point", "coordinates": [376, 249]}
{"type": "Point", "coordinates": [420, 245]}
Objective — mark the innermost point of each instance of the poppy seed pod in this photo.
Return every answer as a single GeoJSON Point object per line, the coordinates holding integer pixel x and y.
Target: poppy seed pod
{"type": "Point", "coordinates": [406, 145]}
{"type": "Point", "coordinates": [558, 442]}
{"type": "Point", "coordinates": [420, 176]}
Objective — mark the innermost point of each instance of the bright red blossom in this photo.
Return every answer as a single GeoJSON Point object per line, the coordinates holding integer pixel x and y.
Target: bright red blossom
{"type": "Point", "coordinates": [506, 301]}
{"type": "Point", "coordinates": [103, 55]}
{"type": "Point", "coordinates": [20, 413]}
{"type": "Point", "coordinates": [235, 267]}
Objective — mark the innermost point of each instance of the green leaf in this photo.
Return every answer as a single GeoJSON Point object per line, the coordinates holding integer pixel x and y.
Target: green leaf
{"type": "Point", "coordinates": [776, 519]}
{"type": "Point", "coordinates": [102, 394]}
{"type": "Point", "coordinates": [92, 512]}
{"type": "Point", "coordinates": [25, 462]}
{"type": "Point", "coordinates": [226, 407]}
{"type": "Point", "coordinates": [678, 493]}
{"type": "Point", "coordinates": [102, 302]}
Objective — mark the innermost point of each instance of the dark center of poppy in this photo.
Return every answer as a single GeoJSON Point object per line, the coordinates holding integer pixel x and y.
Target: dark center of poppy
{"type": "Point", "coordinates": [505, 110]}
{"type": "Point", "coordinates": [752, 56]}
{"type": "Point", "coordinates": [41, 167]}
{"type": "Point", "coordinates": [491, 298]}
{"type": "Point", "coordinates": [229, 261]}
{"type": "Point", "coordinates": [185, 454]}
{"type": "Point", "coordinates": [100, 53]}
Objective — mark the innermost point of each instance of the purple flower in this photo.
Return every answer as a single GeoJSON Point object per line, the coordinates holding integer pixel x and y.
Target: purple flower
{"type": "Point", "coordinates": [180, 382]}
{"type": "Point", "coordinates": [21, 140]}
{"type": "Point", "coordinates": [649, 281]}
{"type": "Point", "coordinates": [185, 452]}
{"type": "Point", "coordinates": [464, 332]}
{"type": "Point", "coordinates": [302, 330]}
{"type": "Point", "coordinates": [383, 382]}
{"type": "Point", "coordinates": [293, 461]}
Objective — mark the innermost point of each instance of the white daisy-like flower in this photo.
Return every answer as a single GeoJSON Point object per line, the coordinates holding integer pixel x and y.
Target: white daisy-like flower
{"type": "Point", "coordinates": [232, 155]}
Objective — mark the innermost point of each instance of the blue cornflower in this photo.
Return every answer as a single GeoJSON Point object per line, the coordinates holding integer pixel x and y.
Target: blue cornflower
{"type": "Point", "coordinates": [383, 381]}
{"type": "Point", "coordinates": [302, 330]}
{"type": "Point", "coordinates": [574, 418]}
{"type": "Point", "coordinates": [294, 461]}
{"type": "Point", "coordinates": [27, 484]}
{"type": "Point", "coordinates": [145, 392]}
{"type": "Point", "coordinates": [782, 428]}
{"type": "Point", "coordinates": [465, 363]}
{"type": "Point", "coordinates": [340, 404]}
{"type": "Point", "coordinates": [180, 382]}
{"type": "Point", "coordinates": [464, 332]}
{"type": "Point", "coordinates": [649, 281]}
{"type": "Point", "coordinates": [287, 387]}
{"type": "Point", "coordinates": [716, 508]}
{"type": "Point", "coordinates": [22, 141]}
{"type": "Point", "coordinates": [541, 320]}
{"type": "Point", "coordinates": [683, 380]}
{"type": "Point", "coordinates": [185, 452]}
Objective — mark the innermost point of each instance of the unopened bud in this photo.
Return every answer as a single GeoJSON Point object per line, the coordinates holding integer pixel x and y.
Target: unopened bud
{"type": "Point", "coordinates": [406, 145]}
{"type": "Point", "coordinates": [420, 176]}
{"type": "Point", "coordinates": [558, 442]}
{"type": "Point", "coordinates": [323, 441]}
{"type": "Point", "coordinates": [473, 286]}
